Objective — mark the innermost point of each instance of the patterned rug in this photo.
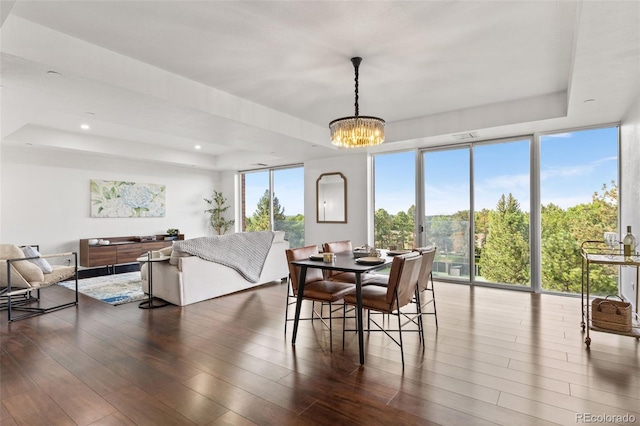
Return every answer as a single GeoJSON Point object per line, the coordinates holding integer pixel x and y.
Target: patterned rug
{"type": "Point", "coordinates": [113, 289]}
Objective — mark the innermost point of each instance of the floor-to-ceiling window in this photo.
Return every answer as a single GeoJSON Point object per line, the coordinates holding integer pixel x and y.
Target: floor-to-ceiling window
{"type": "Point", "coordinates": [394, 200]}
{"type": "Point", "coordinates": [273, 199]}
{"type": "Point", "coordinates": [446, 206]}
{"type": "Point", "coordinates": [501, 182]}
{"type": "Point", "coordinates": [578, 202]}
{"type": "Point", "coordinates": [475, 207]}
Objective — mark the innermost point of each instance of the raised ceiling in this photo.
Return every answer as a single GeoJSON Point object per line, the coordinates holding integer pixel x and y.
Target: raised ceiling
{"type": "Point", "coordinates": [257, 82]}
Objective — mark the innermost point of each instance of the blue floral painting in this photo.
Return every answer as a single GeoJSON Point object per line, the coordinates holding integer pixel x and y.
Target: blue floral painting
{"type": "Point", "coordinates": [114, 198]}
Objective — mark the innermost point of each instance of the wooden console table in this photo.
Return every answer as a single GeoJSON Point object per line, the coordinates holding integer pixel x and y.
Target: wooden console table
{"type": "Point", "coordinates": [120, 250]}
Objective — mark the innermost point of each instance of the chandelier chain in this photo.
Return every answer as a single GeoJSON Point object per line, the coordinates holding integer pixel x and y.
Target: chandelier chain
{"type": "Point", "coordinates": [356, 80]}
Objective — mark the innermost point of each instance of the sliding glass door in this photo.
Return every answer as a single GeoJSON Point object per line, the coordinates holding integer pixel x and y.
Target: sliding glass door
{"type": "Point", "coordinates": [490, 181]}
{"type": "Point", "coordinates": [501, 185]}
{"type": "Point", "coordinates": [446, 207]}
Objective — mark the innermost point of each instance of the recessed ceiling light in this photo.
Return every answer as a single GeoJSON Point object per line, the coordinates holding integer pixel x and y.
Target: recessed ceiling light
{"type": "Point", "coordinates": [54, 73]}
{"type": "Point", "coordinates": [197, 147]}
{"type": "Point", "coordinates": [85, 126]}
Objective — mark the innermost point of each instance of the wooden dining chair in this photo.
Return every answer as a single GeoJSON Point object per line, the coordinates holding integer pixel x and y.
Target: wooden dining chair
{"type": "Point", "coordinates": [399, 292]}
{"type": "Point", "coordinates": [316, 289]}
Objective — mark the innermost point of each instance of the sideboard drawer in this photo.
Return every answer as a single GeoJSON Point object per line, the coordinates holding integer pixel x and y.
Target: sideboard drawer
{"type": "Point", "coordinates": [102, 255]}
{"type": "Point", "coordinates": [128, 253]}
{"type": "Point", "coordinates": [156, 245]}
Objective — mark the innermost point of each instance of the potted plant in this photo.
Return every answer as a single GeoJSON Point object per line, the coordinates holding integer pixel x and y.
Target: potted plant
{"type": "Point", "coordinates": [217, 210]}
{"type": "Point", "coordinates": [172, 234]}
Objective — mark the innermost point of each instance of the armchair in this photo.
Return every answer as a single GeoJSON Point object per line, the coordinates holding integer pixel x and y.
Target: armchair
{"type": "Point", "coordinates": [22, 276]}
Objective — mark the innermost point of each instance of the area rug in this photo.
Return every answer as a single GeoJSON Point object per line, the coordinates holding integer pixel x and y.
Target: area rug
{"type": "Point", "coordinates": [115, 289]}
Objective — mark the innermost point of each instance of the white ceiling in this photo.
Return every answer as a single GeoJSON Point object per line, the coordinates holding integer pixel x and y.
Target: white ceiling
{"type": "Point", "coordinates": [257, 82]}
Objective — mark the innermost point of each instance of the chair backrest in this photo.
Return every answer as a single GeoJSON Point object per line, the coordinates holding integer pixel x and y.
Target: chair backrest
{"type": "Point", "coordinates": [428, 255]}
{"type": "Point", "coordinates": [404, 277]}
{"type": "Point", "coordinates": [302, 253]}
{"type": "Point", "coordinates": [337, 246]}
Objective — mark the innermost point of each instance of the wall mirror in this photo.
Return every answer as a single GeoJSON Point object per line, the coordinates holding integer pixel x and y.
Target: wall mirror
{"type": "Point", "coordinates": [331, 198]}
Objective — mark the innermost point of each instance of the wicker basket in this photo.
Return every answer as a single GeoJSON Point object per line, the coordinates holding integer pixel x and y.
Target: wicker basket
{"type": "Point", "coordinates": [611, 314]}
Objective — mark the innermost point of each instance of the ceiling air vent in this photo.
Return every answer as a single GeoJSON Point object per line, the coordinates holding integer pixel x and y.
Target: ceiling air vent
{"type": "Point", "coordinates": [260, 164]}
{"type": "Point", "coordinates": [465, 136]}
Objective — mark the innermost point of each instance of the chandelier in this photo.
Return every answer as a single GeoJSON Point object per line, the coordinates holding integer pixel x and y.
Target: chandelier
{"type": "Point", "coordinates": [358, 130]}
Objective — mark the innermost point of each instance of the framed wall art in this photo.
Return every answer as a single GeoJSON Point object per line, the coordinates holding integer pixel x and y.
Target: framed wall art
{"type": "Point", "coordinates": [114, 198]}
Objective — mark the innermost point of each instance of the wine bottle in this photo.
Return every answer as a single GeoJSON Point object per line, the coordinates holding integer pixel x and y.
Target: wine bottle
{"type": "Point", "coordinates": [629, 242]}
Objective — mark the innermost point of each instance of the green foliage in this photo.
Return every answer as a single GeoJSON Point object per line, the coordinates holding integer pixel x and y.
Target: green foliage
{"type": "Point", "coordinates": [260, 220]}
{"type": "Point", "coordinates": [395, 230]}
{"type": "Point", "coordinates": [217, 210]}
{"type": "Point", "coordinates": [562, 233]}
{"type": "Point", "coordinates": [505, 257]}
{"type": "Point", "coordinates": [502, 240]}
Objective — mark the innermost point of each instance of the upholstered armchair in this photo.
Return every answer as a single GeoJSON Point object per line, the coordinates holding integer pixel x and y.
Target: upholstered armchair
{"type": "Point", "coordinates": [24, 272]}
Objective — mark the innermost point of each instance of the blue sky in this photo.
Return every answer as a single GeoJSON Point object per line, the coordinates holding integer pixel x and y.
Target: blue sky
{"type": "Point", "coordinates": [288, 187]}
{"type": "Point", "coordinates": [573, 166]}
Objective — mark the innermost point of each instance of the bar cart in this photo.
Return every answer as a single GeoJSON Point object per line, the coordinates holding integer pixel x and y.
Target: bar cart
{"type": "Point", "coordinates": [596, 252]}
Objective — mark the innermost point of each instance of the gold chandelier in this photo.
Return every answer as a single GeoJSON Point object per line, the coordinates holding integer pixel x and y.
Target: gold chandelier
{"type": "Point", "coordinates": [358, 130]}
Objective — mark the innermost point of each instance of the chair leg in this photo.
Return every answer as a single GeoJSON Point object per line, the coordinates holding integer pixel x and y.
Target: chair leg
{"type": "Point", "coordinates": [433, 295]}
{"type": "Point", "coordinates": [419, 312]}
{"type": "Point", "coordinates": [400, 332]}
{"type": "Point", "coordinates": [344, 320]}
{"type": "Point", "coordinates": [286, 306]}
{"type": "Point", "coordinates": [330, 327]}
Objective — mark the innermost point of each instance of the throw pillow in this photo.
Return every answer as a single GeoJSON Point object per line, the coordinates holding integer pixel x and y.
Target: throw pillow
{"type": "Point", "coordinates": [40, 263]}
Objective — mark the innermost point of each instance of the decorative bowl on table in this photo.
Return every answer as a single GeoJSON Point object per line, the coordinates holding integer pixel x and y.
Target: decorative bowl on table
{"type": "Point", "coordinates": [104, 242]}
{"type": "Point", "coordinates": [92, 241]}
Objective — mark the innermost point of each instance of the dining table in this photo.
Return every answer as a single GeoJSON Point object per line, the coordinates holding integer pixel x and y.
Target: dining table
{"type": "Point", "coordinates": [341, 262]}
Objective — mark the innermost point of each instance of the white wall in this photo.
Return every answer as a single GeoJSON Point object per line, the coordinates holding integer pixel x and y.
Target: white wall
{"type": "Point", "coordinates": [355, 168]}
{"type": "Point", "coordinates": [45, 198]}
{"type": "Point", "coordinates": [630, 188]}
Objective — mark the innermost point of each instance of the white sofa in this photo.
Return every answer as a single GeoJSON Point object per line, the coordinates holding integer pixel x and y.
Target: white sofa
{"type": "Point", "coordinates": [190, 279]}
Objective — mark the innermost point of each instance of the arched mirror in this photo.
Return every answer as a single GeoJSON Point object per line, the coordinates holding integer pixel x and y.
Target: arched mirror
{"type": "Point", "coordinates": [331, 198]}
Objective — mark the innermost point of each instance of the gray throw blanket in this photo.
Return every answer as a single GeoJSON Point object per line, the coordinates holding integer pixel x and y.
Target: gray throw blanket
{"type": "Point", "coordinates": [245, 252]}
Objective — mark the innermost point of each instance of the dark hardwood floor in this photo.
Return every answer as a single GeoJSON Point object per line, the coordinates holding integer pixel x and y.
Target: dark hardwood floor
{"type": "Point", "coordinates": [498, 357]}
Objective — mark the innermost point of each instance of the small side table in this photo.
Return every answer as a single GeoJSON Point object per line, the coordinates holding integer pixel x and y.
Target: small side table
{"type": "Point", "coordinates": [148, 304]}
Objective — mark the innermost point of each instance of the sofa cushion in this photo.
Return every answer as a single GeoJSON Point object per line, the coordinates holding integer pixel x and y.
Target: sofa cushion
{"type": "Point", "coordinates": [166, 251]}
{"type": "Point", "coordinates": [278, 237]}
{"type": "Point", "coordinates": [39, 262]}
{"type": "Point", "coordinates": [177, 254]}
